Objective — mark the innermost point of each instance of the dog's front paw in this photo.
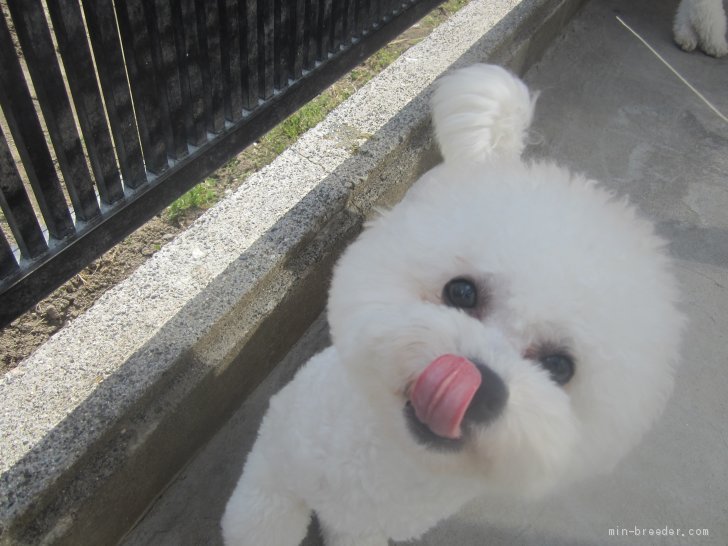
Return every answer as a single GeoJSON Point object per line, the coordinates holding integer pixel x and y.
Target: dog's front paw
{"type": "Point", "coordinates": [701, 23]}
{"type": "Point", "coordinates": [715, 48]}
{"type": "Point", "coordinates": [685, 37]}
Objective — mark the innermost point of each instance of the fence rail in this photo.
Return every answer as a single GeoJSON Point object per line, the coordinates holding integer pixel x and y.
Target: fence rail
{"type": "Point", "coordinates": [139, 100]}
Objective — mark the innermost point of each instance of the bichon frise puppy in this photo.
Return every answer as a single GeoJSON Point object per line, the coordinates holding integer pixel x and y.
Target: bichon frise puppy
{"type": "Point", "coordinates": [701, 23]}
{"type": "Point", "coordinates": [507, 328]}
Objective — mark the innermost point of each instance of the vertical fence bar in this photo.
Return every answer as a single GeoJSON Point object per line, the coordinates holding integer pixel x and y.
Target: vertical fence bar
{"type": "Point", "coordinates": [249, 52]}
{"type": "Point", "coordinates": [324, 29]}
{"type": "Point", "coordinates": [137, 47]}
{"type": "Point", "coordinates": [376, 12]}
{"type": "Point", "coordinates": [188, 55]}
{"type": "Point", "coordinates": [158, 78]}
{"type": "Point", "coordinates": [349, 21]}
{"type": "Point", "coordinates": [71, 37]}
{"type": "Point", "coordinates": [35, 40]}
{"type": "Point", "coordinates": [104, 38]}
{"type": "Point", "coordinates": [29, 140]}
{"type": "Point", "coordinates": [208, 28]}
{"type": "Point", "coordinates": [266, 47]}
{"type": "Point", "coordinates": [8, 265]}
{"type": "Point", "coordinates": [382, 9]}
{"type": "Point", "coordinates": [164, 50]}
{"type": "Point", "coordinates": [161, 79]}
{"type": "Point", "coordinates": [298, 46]}
{"type": "Point", "coordinates": [337, 25]}
{"type": "Point", "coordinates": [282, 43]}
{"type": "Point", "coordinates": [17, 208]}
{"type": "Point", "coordinates": [391, 8]}
{"type": "Point", "coordinates": [311, 53]}
{"type": "Point", "coordinates": [362, 17]}
{"type": "Point", "coordinates": [230, 49]}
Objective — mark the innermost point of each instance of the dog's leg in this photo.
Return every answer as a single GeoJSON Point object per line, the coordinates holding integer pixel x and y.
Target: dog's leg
{"type": "Point", "coordinates": [260, 512]}
{"type": "Point", "coordinates": [701, 23]}
{"type": "Point", "coordinates": [683, 30]}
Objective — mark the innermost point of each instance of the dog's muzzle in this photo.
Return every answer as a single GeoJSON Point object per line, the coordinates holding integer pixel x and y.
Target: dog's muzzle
{"type": "Point", "coordinates": [487, 404]}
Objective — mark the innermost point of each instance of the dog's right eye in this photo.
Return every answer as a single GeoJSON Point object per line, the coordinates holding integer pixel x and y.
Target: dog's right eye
{"type": "Point", "coordinates": [460, 293]}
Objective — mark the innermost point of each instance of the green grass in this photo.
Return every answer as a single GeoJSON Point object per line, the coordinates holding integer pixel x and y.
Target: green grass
{"type": "Point", "coordinates": [287, 132]}
{"type": "Point", "coordinates": [200, 197]}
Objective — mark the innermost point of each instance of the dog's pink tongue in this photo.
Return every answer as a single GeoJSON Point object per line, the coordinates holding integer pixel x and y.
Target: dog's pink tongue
{"type": "Point", "coordinates": [442, 393]}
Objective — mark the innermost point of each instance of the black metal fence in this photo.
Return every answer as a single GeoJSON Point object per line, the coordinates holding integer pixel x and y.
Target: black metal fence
{"type": "Point", "coordinates": [139, 100]}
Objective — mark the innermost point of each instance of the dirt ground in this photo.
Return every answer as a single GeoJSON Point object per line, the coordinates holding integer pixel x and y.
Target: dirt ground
{"type": "Point", "coordinates": [19, 339]}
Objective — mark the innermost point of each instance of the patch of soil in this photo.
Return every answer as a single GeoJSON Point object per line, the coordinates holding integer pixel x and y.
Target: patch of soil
{"type": "Point", "coordinates": [21, 337]}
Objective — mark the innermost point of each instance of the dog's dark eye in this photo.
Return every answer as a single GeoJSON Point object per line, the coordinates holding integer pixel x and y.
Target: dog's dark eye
{"type": "Point", "coordinates": [560, 366]}
{"type": "Point", "coordinates": [460, 293]}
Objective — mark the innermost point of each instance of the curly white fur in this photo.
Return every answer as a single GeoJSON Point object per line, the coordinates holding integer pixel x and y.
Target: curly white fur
{"type": "Point", "coordinates": [560, 266]}
{"type": "Point", "coordinates": [490, 118]}
{"type": "Point", "coordinates": [701, 23]}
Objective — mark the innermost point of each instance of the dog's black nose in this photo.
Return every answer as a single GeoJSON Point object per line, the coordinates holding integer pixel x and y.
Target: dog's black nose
{"type": "Point", "coordinates": [489, 399]}
{"type": "Point", "coordinates": [487, 403]}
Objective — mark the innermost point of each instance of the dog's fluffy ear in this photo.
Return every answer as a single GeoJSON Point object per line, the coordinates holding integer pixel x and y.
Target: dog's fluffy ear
{"type": "Point", "coordinates": [481, 112]}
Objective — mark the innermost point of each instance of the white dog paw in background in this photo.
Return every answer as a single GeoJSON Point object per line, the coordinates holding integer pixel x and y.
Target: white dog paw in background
{"type": "Point", "coordinates": [701, 24]}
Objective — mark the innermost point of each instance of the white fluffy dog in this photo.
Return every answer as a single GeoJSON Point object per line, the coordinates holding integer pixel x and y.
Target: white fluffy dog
{"type": "Point", "coordinates": [505, 329]}
{"type": "Point", "coordinates": [701, 23]}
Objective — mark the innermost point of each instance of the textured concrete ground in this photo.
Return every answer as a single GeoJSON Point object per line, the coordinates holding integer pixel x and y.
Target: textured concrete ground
{"type": "Point", "coordinates": [608, 107]}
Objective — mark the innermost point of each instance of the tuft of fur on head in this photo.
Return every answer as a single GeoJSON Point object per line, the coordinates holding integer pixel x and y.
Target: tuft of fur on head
{"type": "Point", "coordinates": [481, 112]}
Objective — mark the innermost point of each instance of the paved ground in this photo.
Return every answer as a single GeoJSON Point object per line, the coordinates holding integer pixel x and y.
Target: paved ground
{"type": "Point", "coordinates": [610, 108]}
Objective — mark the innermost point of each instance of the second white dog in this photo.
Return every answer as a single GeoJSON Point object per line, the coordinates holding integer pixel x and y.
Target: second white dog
{"type": "Point", "coordinates": [506, 329]}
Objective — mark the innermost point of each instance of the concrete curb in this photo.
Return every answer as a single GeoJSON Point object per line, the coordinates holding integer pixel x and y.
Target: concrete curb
{"type": "Point", "coordinates": [102, 417]}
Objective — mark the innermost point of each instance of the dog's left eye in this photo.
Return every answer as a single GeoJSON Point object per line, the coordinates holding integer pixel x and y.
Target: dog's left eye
{"type": "Point", "coordinates": [560, 367]}
{"type": "Point", "coordinates": [460, 293]}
